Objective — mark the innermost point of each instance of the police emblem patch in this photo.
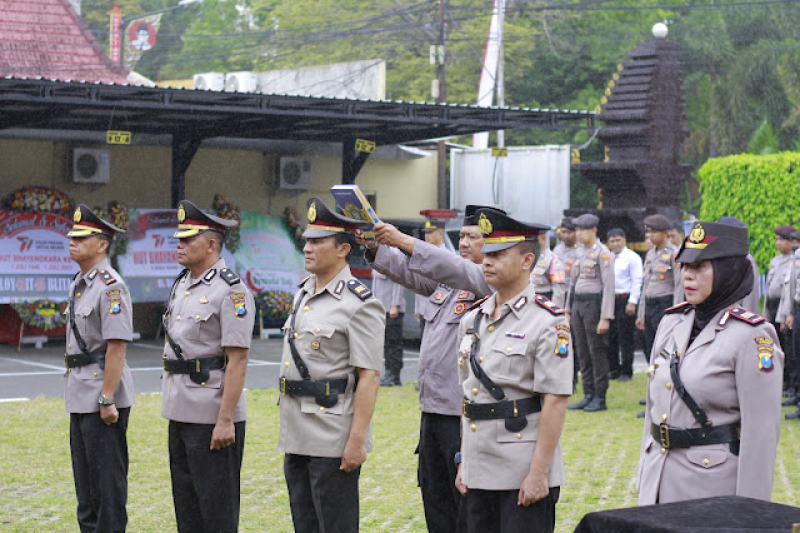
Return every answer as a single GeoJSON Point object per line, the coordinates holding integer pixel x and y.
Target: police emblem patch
{"type": "Point", "coordinates": [698, 234]}
{"type": "Point", "coordinates": [114, 301]}
{"type": "Point", "coordinates": [562, 345]}
{"type": "Point", "coordinates": [438, 296]}
{"type": "Point", "coordinates": [77, 216]}
{"type": "Point", "coordinates": [606, 260]}
{"type": "Point", "coordinates": [459, 308]}
{"type": "Point", "coordinates": [181, 214]}
{"type": "Point", "coordinates": [485, 225]}
{"type": "Point", "coordinates": [239, 307]}
{"type": "Point", "coordinates": [312, 212]}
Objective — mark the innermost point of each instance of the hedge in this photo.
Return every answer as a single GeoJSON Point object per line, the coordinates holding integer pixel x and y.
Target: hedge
{"type": "Point", "coordinates": [763, 191]}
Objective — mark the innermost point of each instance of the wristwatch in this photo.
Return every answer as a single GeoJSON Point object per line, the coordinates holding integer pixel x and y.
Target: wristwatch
{"type": "Point", "coordinates": [105, 400]}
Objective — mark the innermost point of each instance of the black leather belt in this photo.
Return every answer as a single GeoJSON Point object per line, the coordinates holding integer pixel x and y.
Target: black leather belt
{"type": "Point", "coordinates": [675, 437]}
{"type": "Point", "coordinates": [588, 296]}
{"type": "Point", "coordinates": [83, 359]}
{"type": "Point", "coordinates": [504, 409]}
{"type": "Point", "coordinates": [310, 387]}
{"type": "Point", "coordinates": [194, 366]}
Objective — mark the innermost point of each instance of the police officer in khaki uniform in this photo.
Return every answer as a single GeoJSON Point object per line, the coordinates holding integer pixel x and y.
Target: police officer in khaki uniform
{"type": "Point", "coordinates": [661, 283]}
{"type": "Point", "coordinates": [516, 373]}
{"type": "Point", "coordinates": [590, 308]}
{"type": "Point", "coordinates": [393, 298]}
{"type": "Point", "coordinates": [329, 379]}
{"type": "Point", "coordinates": [208, 326]}
{"type": "Point", "coordinates": [98, 386]}
{"type": "Point", "coordinates": [714, 387]}
{"type": "Point", "coordinates": [548, 276]}
{"type": "Point", "coordinates": [778, 277]}
{"type": "Point", "coordinates": [449, 285]}
{"type": "Point", "coordinates": [567, 249]}
{"type": "Point", "coordinates": [790, 313]}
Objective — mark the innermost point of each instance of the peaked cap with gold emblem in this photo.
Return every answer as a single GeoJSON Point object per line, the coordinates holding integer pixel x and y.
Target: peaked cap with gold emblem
{"type": "Point", "coordinates": [86, 223]}
{"type": "Point", "coordinates": [323, 222]}
{"type": "Point", "coordinates": [469, 213]}
{"type": "Point", "coordinates": [500, 231]}
{"type": "Point", "coordinates": [193, 221]}
{"type": "Point", "coordinates": [711, 240]}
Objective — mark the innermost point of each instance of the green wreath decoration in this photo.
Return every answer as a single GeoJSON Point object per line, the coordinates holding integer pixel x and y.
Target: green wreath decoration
{"type": "Point", "coordinates": [43, 314]}
{"type": "Point", "coordinates": [224, 209]}
{"type": "Point", "coordinates": [117, 214]}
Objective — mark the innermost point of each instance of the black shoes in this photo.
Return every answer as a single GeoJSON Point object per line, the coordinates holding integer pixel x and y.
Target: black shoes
{"type": "Point", "coordinates": [581, 404]}
{"type": "Point", "coordinates": [390, 378]}
{"type": "Point", "coordinates": [624, 378]}
{"type": "Point", "coordinates": [597, 404]}
{"type": "Point", "coordinates": [793, 400]}
{"type": "Point", "coordinates": [793, 416]}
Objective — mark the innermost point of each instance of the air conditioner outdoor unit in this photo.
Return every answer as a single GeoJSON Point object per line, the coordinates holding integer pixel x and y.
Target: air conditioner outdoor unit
{"type": "Point", "coordinates": [241, 82]}
{"type": "Point", "coordinates": [90, 165]}
{"type": "Point", "coordinates": [209, 81]}
{"type": "Point", "coordinates": [294, 173]}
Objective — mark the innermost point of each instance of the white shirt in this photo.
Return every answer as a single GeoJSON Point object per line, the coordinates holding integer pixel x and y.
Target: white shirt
{"type": "Point", "coordinates": [628, 274]}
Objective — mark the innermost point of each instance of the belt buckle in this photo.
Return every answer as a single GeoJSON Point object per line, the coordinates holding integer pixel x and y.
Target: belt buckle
{"type": "Point", "coordinates": [197, 366]}
{"type": "Point", "coordinates": [663, 432]}
{"type": "Point", "coordinates": [283, 386]}
{"type": "Point", "coordinates": [464, 408]}
{"type": "Point", "coordinates": [66, 363]}
{"type": "Point", "coordinates": [327, 388]}
{"type": "Point", "coordinates": [164, 363]}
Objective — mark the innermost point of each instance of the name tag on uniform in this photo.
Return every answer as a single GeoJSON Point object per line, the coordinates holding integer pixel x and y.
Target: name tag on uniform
{"type": "Point", "coordinates": [515, 335]}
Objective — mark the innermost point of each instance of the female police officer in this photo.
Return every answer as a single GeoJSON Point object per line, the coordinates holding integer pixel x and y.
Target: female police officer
{"type": "Point", "coordinates": [714, 389]}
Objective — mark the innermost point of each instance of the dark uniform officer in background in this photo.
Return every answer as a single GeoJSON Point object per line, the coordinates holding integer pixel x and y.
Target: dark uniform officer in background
{"type": "Point", "coordinates": [450, 284]}
{"type": "Point", "coordinates": [329, 379]}
{"type": "Point", "coordinates": [99, 387]}
{"type": "Point", "coordinates": [714, 388]}
{"type": "Point", "coordinates": [208, 326]}
{"type": "Point", "coordinates": [661, 283]}
{"type": "Point", "coordinates": [516, 375]}
{"type": "Point", "coordinates": [590, 305]}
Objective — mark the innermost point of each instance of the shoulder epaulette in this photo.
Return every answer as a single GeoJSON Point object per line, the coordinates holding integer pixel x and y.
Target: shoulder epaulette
{"type": "Point", "coordinates": [303, 281]}
{"type": "Point", "coordinates": [680, 308]}
{"type": "Point", "coordinates": [229, 277]}
{"type": "Point", "coordinates": [359, 289]}
{"type": "Point", "coordinates": [106, 276]}
{"type": "Point", "coordinates": [746, 316]}
{"type": "Point", "coordinates": [548, 304]}
{"type": "Point", "coordinates": [477, 303]}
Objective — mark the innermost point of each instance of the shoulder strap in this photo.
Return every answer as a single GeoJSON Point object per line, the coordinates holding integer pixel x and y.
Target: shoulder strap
{"type": "Point", "coordinates": [359, 289]}
{"type": "Point", "coordinates": [165, 319]}
{"type": "Point", "coordinates": [496, 392]}
{"type": "Point", "coordinates": [674, 369]}
{"type": "Point", "coordinates": [72, 325]}
{"type": "Point", "coordinates": [298, 361]}
{"type": "Point", "coordinates": [228, 275]}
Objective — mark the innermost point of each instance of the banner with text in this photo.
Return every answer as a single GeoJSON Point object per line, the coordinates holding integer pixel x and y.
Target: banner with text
{"type": "Point", "coordinates": [267, 258]}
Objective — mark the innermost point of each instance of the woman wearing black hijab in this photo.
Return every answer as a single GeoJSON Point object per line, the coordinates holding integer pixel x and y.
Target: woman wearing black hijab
{"type": "Point", "coordinates": [714, 390]}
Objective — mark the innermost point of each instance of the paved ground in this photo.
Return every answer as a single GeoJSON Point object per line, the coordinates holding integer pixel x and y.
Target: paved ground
{"type": "Point", "coordinates": [39, 372]}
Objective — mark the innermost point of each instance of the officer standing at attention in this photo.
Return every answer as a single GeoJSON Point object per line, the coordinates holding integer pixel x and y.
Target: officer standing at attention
{"type": "Point", "coordinates": [714, 388]}
{"type": "Point", "coordinates": [516, 375]}
{"type": "Point", "coordinates": [778, 278]}
{"type": "Point", "coordinates": [329, 379]}
{"type": "Point", "coordinates": [590, 308]}
{"type": "Point", "coordinates": [790, 307]}
{"type": "Point", "coordinates": [208, 327]}
{"type": "Point", "coordinates": [661, 283]}
{"type": "Point", "coordinates": [567, 249]}
{"type": "Point", "coordinates": [393, 298]}
{"type": "Point", "coordinates": [450, 284]}
{"type": "Point", "coordinates": [99, 387]}
{"type": "Point", "coordinates": [548, 276]}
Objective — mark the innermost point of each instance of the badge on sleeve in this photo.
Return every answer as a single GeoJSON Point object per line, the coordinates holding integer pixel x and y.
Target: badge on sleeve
{"type": "Point", "coordinates": [114, 301]}
{"type": "Point", "coordinates": [765, 352]}
{"type": "Point", "coordinates": [239, 307]}
{"type": "Point", "coordinates": [562, 345]}
{"type": "Point", "coordinates": [606, 258]}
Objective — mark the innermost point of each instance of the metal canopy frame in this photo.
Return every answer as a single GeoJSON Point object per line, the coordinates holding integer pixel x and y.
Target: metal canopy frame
{"type": "Point", "coordinates": [191, 116]}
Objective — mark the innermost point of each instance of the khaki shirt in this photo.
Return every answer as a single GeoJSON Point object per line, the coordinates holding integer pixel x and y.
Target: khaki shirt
{"type": "Point", "coordinates": [522, 353]}
{"type": "Point", "coordinates": [449, 285]}
{"type": "Point", "coordinates": [777, 275]}
{"type": "Point", "coordinates": [567, 257]}
{"type": "Point", "coordinates": [103, 312]}
{"type": "Point", "coordinates": [790, 296]}
{"type": "Point", "coordinates": [337, 333]}
{"type": "Point", "coordinates": [548, 276]}
{"type": "Point", "coordinates": [206, 315]}
{"type": "Point", "coordinates": [721, 372]}
{"type": "Point", "coordinates": [662, 276]}
{"type": "Point", "coordinates": [594, 274]}
{"type": "Point", "coordinates": [388, 293]}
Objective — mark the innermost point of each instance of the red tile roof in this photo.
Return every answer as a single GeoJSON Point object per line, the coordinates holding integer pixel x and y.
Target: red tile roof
{"type": "Point", "coordinates": [47, 38]}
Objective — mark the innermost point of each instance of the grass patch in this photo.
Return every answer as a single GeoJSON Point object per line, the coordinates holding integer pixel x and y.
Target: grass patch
{"type": "Point", "coordinates": [601, 452]}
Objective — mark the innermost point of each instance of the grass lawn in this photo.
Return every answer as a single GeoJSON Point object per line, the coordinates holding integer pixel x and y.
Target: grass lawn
{"type": "Point", "coordinates": [601, 454]}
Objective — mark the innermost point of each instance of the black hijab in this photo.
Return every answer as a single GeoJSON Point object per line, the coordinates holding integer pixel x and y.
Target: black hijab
{"type": "Point", "coordinates": [733, 280]}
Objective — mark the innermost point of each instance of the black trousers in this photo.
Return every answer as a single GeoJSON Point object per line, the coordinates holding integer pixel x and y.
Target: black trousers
{"type": "Point", "coordinates": [439, 441]}
{"type": "Point", "coordinates": [794, 377]}
{"type": "Point", "coordinates": [653, 313]}
{"type": "Point", "coordinates": [592, 347]}
{"type": "Point", "coordinates": [620, 338]}
{"type": "Point", "coordinates": [100, 468]}
{"type": "Point", "coordinates": [205, 482]}
{"type": "Point", "coordinates": [787, 344]}
{"type": "Point", "coordinates": [393, 344]}
{"type": "Point", "coordinates": [496, 511]}
{"type": "Point", "coordinates": [323, 498]}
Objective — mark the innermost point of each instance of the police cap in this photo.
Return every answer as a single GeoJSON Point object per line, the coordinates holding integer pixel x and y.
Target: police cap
{"type": "Point", "coordinates": [784, 231]}
{"type": "Point", "coordinates": [86, 223]}
{"type": "Point", "coordinates": [586, 221]}
{"type": "Point", "coordinates": [500, 231]}
{"type": "Point", "coordinates": [709, 240]}
{"type": "Point", "coordinates": [470, 210]}
{"type": "Point", "coordinates": [193, 221]}
{"type": "Point", "coordinates": [566, 223]}
{"type": "Point", "coordinates": [437, 218]}
{"type": "Point", "coordinates": [324, 222]}
{"type": "Point", "coordinates": [658, 222]}
{"type": "Point", "coordinates": [731, 221]}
